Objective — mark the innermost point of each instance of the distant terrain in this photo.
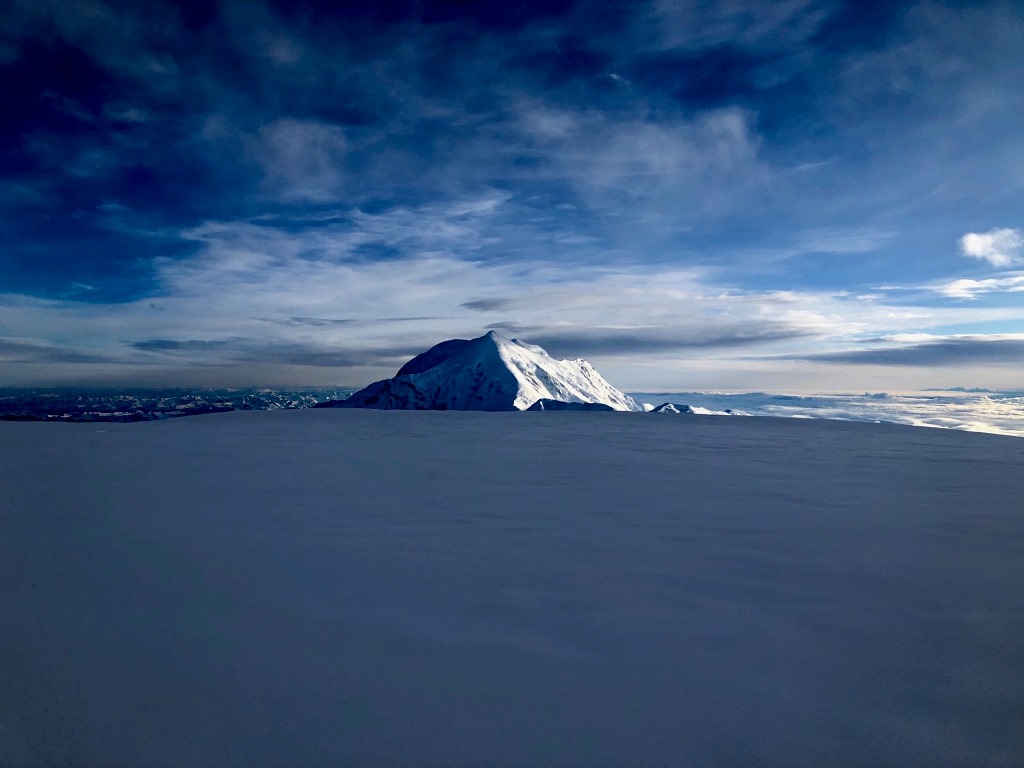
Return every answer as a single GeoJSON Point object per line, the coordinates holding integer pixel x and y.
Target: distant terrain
{"type": "Point", "coordinates": [68, 404]}
{"type": "Point", "coordinates": [495, 373]}
{"type": "Point", "coordinates": [973, 410]}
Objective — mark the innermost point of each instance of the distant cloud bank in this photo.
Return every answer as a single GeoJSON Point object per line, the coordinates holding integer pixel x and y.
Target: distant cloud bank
{"type": "Point", "coordinates": [999, 413]}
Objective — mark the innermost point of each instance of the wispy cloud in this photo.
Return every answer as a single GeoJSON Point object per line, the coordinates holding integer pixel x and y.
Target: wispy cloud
{"type": "Point", "coordinates": [263, 296]}
{"type": "Point", "coordinates": [311, 322]}
{"type": "Point", "coordinates": [172, 345]}
{"type": "Point", "coordinates": [605, 342]}
{"type": "Point", "coordinates": [301, 159]}
{"type": "Point", "coordinates": [968, 288]}
{"type": "Point", "coordinates": [841, 241]}
{"type": "Point", "coordinates": [15, 352]}
{"type": "Point", "coordinates": [487, 305]}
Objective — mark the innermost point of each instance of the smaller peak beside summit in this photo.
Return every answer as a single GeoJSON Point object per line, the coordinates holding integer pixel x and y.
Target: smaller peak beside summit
{"type": "Point", "coordinates": [669, 408]}
{"type": "Point", "coordinates": [696, 410]}
{"type": "Point", "coordinates": [501, 339]}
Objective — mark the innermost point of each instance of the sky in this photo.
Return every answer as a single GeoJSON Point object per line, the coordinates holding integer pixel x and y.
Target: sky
{"type": "Point", "coordinates": [797, 195]}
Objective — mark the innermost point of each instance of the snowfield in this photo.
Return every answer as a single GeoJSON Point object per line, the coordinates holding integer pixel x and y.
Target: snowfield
{"type": "Point", "coordinates": [394, 588]}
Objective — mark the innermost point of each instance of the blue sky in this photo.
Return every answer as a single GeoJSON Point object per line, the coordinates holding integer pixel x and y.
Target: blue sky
{"type": "Point", "coordinates": [792, 195]}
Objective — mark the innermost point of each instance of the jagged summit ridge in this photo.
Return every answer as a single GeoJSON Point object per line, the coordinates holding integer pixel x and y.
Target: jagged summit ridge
{"type": "Point", "coordinates": [489, 373]}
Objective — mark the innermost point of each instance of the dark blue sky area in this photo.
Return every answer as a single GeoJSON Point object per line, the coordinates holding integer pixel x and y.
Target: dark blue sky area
{"type": "Point", "coordinates": [550, 153]}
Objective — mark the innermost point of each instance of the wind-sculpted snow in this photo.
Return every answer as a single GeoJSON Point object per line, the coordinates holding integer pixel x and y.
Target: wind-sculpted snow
{"type": "Point", "coordinates": [490, 373]}
{"type": "Point", "coordinates": [368, 588]}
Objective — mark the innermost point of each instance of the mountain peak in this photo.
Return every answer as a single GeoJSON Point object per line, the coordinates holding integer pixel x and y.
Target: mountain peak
{"type": "Point", "coordinates": [497, 338]}
{"type": "Point", "coordinates": [489, 373]}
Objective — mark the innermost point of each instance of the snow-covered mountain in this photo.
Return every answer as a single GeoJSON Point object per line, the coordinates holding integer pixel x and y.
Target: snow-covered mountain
{"type": "Point", "coordinates": [490, 373]}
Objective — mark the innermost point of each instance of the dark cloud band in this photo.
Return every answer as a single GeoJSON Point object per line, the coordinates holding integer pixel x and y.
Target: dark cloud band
{"type": "Point", "coordinates": [935, 354]}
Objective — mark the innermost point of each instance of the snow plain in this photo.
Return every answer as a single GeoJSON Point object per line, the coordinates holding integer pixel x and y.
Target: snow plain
{"type": "Point", "coordinates": [358, 587]}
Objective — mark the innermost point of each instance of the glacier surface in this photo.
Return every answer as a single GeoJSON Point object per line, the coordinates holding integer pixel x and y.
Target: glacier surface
{"type": "Point", "coordinates": [388, 588]}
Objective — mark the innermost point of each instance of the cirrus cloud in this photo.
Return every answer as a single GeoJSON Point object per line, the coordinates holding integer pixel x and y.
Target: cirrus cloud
{"type": "Point", "coordinates": [967, 288]}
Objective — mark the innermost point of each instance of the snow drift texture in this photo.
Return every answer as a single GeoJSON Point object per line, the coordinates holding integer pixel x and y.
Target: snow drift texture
{"type": "Point", "coordinates": [491, 373]}
{"type": "Point", "coordinates": [392, 588]}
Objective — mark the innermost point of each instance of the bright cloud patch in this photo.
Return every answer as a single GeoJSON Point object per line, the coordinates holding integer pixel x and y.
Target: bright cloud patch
{"type": "Point", "coordinates": [999, 247]}
{"type": "Point", "coordinates": [970, 289]}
